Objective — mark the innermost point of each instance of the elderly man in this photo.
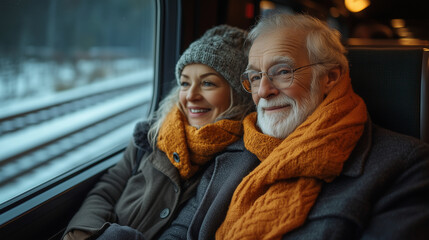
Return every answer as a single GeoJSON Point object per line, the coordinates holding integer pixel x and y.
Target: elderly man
{"type": "Point", "coordinates": [324, 171]}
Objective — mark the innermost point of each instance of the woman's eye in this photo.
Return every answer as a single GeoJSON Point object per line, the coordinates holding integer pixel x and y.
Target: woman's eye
{"type": "Point", "coordinates": [184, 84]}
{"type": "Point", "coordinates": [208, 84]}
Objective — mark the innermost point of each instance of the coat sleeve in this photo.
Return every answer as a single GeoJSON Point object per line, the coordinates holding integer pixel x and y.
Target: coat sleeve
{"type": "Point", "coordinates": [98, 207]}
{"type": "Point", "coordinates": [403, 211]}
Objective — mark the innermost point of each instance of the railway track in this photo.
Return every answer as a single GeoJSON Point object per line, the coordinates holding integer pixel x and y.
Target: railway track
{"type": "Point", "coordinates": [40, 141]}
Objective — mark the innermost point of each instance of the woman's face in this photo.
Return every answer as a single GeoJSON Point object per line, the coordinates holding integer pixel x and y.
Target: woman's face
{"type": "Point", "coordinates": [204, 94]}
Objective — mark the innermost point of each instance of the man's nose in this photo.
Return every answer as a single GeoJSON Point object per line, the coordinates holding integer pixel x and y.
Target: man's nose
{"type": "Point", "coordinates": [266, 88]}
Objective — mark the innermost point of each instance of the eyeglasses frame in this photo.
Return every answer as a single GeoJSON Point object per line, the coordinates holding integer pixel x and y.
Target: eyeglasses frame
{"type": "Point", "coordinates": [270, 76]}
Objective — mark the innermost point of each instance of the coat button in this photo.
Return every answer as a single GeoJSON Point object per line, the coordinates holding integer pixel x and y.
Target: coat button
{"type": "Point", "coordinates": [176, 157]}
{"type": "Point", "coordinates": [164, 213]}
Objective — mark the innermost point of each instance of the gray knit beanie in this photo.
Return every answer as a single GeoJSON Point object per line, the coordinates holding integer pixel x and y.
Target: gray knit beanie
{"type": "Point", "coordinates": [221, 48]}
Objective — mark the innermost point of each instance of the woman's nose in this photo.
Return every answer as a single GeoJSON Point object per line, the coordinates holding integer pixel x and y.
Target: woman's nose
{"type": "Point", "coordinates": [193, 93]}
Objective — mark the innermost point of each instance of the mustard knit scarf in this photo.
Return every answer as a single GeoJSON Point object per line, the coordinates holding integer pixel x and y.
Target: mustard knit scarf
{"type": "Point", "coordinates": [276, 196]}
{"type": "Point", "coordinates": [194, 147]}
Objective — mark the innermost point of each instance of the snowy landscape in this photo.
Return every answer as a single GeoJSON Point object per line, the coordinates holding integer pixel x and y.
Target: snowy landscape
{"type": "Point", "coordinates": [61, 143]}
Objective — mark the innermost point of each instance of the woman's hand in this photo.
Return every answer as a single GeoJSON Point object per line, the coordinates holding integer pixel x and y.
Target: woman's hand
{"type": "Point", "coordinates": [77, 235]}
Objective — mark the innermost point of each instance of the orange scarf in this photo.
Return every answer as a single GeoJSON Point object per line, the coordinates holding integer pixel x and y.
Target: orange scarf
{"type": "Point", "coordinates": [193, 146]}
{"type": "Point", "coordinates": [276, 196]}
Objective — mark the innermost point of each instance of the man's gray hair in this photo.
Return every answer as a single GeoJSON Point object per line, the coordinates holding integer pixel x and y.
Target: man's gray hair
{"type": "Point", "coordinates": [323, 43]}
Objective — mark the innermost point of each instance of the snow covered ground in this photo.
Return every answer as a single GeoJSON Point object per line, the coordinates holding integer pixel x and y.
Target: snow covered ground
{"type": "Point", "coordinates": [90, 131]}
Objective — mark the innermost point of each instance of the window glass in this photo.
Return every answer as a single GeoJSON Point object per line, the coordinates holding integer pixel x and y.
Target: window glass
{"type": "Point", "coordinates": [75, 76]}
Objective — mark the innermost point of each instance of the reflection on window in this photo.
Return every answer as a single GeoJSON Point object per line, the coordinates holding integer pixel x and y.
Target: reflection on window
{"type": "Point", "coordinates": [75, 76]}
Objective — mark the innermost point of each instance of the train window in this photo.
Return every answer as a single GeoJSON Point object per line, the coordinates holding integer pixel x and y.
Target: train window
{"type": "Point", "coordinates": [75, 76]}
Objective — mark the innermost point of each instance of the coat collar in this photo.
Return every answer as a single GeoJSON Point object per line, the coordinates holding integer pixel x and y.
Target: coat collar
{"type": "Point", "coordinates": [236, 146]}
{"type": "Point", "coordinates": [140, 135]}
{"type": "Point", "coordinates": [354, 166]}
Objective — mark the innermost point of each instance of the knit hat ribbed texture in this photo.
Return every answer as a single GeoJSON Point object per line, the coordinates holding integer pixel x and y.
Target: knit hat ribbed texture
{"type": "Point", "coordinates": [221, 48]}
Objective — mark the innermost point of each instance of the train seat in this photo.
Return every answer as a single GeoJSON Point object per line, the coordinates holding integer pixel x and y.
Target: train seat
{"type": "Point", "coordinates": [394, 82]}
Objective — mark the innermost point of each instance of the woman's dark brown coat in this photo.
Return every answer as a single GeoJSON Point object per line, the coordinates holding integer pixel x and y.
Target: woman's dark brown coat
{"type": "Point", "coordinates": [146, 201]}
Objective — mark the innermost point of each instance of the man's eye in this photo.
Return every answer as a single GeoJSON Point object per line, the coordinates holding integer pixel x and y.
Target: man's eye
{"type": "Point", "coordinates": [279, 70]}
{"type": "Point", "coordinates": [283, 72]}
{"type": "Point", "coordinates": [254, 77]}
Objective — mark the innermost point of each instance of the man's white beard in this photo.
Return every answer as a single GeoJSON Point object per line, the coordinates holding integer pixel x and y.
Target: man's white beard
{"type": "Point", "coordinates": [283, 123]}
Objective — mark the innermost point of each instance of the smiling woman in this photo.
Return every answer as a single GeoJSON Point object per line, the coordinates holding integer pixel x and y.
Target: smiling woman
{"type": "Point", "coordinates": [189, 131]}
{"type": "Point", "coordinates": [204, 94]}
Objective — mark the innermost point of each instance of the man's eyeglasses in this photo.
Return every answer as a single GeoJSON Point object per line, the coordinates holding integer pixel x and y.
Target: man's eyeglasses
{"type": "Point", "coordinates": [281, 75]}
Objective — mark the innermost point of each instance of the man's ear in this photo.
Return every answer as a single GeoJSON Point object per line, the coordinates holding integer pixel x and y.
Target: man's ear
{"type": "Point", "coordinates": [331, 79]}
